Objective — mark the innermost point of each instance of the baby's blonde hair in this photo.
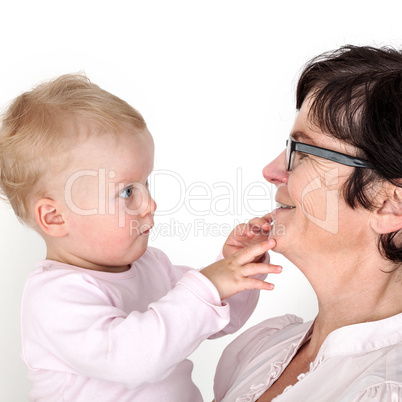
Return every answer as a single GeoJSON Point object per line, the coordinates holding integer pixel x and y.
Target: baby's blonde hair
{"type": "Point", "coordinates": [42, 123]}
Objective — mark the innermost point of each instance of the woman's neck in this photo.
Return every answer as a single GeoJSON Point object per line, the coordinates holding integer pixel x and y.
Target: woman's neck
{"type": "Point", "coordinates": [359, 290]}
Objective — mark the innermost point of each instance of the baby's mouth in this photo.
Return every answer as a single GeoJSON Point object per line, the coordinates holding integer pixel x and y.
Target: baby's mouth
{"type": "Point", "coordinates": [146, 232]}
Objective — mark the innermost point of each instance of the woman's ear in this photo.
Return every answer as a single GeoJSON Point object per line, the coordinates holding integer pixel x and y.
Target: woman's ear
{"type": "Point", "coordinates": [49, 218]}
{"type": "Point", "coordinates": [388, 217]}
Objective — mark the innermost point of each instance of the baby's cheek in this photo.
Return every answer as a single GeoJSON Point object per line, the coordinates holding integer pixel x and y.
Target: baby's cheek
{"type": "Point", "coordinates": [81, 194]}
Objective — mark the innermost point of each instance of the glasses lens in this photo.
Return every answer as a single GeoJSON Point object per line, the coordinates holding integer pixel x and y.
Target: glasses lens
{"type": "Point", "coordinates": [288, 152]}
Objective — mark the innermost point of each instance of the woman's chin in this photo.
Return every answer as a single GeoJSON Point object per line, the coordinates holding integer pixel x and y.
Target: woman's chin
{"type": "Point", "coordinates": [277, 239]}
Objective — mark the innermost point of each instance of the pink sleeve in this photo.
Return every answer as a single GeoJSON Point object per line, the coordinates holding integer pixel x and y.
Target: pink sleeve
{"type": "Point", "coordinates": [70, 325]}
{"type": "Point", "coordinates": [241, 305]}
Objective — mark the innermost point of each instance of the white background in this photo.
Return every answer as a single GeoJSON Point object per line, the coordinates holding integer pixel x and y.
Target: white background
{"type": "Point", "coordinates": [215, 82]}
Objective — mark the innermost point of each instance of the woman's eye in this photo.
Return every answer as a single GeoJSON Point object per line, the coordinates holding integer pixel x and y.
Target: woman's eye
{"type": "Point", "coordinates": [127, 192]}
{"type": "Point", "coordinates": [300, 156]}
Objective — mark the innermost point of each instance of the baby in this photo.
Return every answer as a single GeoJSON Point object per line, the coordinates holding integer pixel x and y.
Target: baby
{"type": "Point", "coordinates": [105, 317]}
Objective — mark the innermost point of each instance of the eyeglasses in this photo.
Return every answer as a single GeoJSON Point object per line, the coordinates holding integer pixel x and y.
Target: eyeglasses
{"type": "Point", "coordinates": [293, 146]}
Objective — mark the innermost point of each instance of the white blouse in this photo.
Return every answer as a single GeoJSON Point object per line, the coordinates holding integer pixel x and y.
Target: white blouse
{"type": "Point", "coordinates": [361, 362]}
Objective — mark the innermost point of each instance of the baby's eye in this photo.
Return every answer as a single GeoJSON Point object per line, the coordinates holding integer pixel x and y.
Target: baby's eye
{"type": "Point", "coordinates": [127, 192]}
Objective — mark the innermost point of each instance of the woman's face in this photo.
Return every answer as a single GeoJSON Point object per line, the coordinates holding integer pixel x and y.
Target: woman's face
{"type": "Point", "coordinates": [311, 214]}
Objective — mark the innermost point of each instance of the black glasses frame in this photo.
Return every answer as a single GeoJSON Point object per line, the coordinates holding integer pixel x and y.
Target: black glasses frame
{"type": "Point", "coordinates": [338, 157]}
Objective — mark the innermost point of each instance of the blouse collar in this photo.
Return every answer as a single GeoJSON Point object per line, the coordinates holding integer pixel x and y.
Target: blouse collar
{"type": "Point", "coordinates": [363, 337]}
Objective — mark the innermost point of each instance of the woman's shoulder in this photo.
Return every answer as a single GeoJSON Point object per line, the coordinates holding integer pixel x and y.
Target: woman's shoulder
{"type": "Point", "coordinates": [276, 323]}
{"type": "Point", "coordinates": [263, 331]}
{"type": "Point", "coordinates": [386, 391]}
{"type": "Point", "coordinates": [266, 338]}
{"type": "Point", "coordinates": [382, 380]}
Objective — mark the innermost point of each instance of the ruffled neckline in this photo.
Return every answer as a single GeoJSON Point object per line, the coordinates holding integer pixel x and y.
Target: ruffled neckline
{"type": "Point", "coordinates": [277, 368]}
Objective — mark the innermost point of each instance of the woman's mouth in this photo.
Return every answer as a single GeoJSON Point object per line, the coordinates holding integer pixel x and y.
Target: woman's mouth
{"type": "Point", "coordinates": [281, 208]}
{"type": "Point", "coordinates": [279, 205]}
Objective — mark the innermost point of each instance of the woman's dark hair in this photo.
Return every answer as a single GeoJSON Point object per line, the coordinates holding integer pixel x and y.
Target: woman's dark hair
{"type": "Point", "coordinates": [356, 94]}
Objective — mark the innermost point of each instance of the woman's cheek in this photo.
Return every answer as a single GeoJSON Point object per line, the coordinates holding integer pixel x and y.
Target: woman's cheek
{"type": "Point", "coordinates": [313, 204]}
{"type": "Point", "coordinates": [308, 189]}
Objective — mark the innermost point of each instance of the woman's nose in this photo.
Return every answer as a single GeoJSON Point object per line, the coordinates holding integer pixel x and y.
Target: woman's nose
{"type": "Point", "coordinates": [275, 172]}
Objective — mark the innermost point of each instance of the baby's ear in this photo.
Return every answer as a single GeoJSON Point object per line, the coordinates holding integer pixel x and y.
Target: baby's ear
{"type": "Point", "coordinates": [388, 217]}
{"type": "Point", "coordinates": [49, 218]}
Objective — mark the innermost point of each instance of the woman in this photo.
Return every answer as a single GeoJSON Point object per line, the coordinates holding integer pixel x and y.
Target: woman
{"type": "Point", "coordinates": [339, 195]}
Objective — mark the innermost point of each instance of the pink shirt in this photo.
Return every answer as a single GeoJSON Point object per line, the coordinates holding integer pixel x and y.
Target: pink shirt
{"type": "Point", "coordinates": [361, 362]}
{"type": "Point", "coordinates": [97, 336]}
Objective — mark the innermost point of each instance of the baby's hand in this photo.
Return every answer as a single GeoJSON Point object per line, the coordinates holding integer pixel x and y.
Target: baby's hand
{"type": "Point", "coordinates": [246, 234]}
{"type": "Point", "coordinates": [233, 274]}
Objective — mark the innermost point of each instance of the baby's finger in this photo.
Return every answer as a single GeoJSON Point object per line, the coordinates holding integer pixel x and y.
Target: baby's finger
{"type": "Point", "coordinates": [240, 230]}
{"type": "Point", "coordinates": [248, 254]}
{"type": "Point", "coordinates": [259, 226]}
{"type": "Point", "coordinates": [253, 283]}
{"type": "Point", "coordinates": [268, 217]}
{"type": "Point", "coordinates": [255, 268]}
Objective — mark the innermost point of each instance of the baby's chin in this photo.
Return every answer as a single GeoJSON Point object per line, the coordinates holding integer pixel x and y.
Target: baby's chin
{"type": "Point", "coordinates": [138, 250]}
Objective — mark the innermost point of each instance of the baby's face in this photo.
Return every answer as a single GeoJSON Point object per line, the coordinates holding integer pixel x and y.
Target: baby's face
{"type": "Point", "coordinates": [109, 210]}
